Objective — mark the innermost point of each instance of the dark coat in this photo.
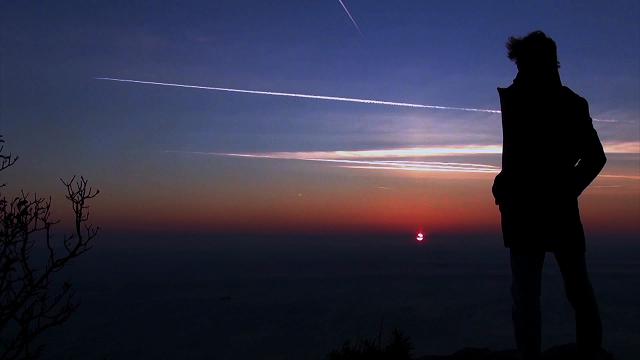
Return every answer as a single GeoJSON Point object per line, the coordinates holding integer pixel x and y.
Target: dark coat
{"type": "Point", "coordinates": [551, 153]}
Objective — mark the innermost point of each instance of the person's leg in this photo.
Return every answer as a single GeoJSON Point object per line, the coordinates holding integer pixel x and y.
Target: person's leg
{"type": "Point", "coordinates": [526, 271]}
{"type": "Point", "coordinates": [580, 294]}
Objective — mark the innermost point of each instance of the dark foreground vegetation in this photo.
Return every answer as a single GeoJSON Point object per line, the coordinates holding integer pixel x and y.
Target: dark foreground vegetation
{"type": "Point", "coordinates": [399, 347]}
{"type": "Point", "coordinates": [33, 297]}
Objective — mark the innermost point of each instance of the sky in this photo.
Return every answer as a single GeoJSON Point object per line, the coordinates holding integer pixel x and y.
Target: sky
{"type": "Point", "coordinates": [175, 159]}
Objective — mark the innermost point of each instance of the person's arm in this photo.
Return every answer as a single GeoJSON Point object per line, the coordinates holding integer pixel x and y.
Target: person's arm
{"type": "Point", "coordinates": [591, 154]}
{"type": "Point", "coordinates": [499, 186]}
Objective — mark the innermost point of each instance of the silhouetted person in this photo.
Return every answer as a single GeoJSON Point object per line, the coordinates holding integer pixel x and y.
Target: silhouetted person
{"type": "Point", "coordinates": [550, 154]}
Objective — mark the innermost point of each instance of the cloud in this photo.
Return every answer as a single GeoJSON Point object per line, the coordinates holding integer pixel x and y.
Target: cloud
{"type": "Point", "coordinates": [628, 147]}
{"type": "Point", "coordinates": [405, 158]}
{"type": "Point", "coordinates": [410, 152]}
{"type": "Point", "coordinates": [379, 159]}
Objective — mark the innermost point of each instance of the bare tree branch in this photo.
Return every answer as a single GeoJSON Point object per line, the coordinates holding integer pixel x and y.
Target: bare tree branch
{"type": "Point", "coordinates": [31, 300]}
{"type": "Point", "coordinates": [6, 160]}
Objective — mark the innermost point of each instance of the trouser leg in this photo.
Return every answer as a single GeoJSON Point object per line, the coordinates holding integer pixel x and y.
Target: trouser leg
{"type": "Point", "coordinates": [526, 271]}
{"type": "Point", "coordinates": [580, 294]}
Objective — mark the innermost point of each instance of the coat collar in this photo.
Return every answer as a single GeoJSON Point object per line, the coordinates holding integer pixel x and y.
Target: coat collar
{"type": "Point", "coordinates": [535, 81]}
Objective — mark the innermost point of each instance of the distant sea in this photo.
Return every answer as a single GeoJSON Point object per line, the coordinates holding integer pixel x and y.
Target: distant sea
{"type": "Point", "coordinates": [298, 297]}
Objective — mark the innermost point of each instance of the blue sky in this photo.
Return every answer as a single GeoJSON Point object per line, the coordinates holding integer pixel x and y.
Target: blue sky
{"type": "Point", "coordinates": [447, 53]}
{"type": "Point", "coordinates": [63, 121]}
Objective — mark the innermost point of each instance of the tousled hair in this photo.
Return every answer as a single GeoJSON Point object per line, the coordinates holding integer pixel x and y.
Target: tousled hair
{"type": "Point", "coordinates": [534, 51]}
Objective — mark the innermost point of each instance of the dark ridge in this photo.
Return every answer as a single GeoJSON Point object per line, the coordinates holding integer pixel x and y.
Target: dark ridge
{"type": "Point", "coordinates": [558, 352]}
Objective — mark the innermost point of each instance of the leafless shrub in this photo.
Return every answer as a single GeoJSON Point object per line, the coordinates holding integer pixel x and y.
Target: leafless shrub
{"type": "Point", "coordinates": [32, 298]}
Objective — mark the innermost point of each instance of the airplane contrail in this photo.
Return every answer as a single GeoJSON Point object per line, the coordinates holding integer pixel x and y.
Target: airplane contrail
{"type": "Point", "coordinates": [321, 97]}
{"type": "Point", "coordinates": [386, 159]}
{"type": "Point", "coordinates": [306, 96]}
{"type": "Point", "coordinates": [434, 166]}
{"type": "Point", "coordinates": [350, 17]}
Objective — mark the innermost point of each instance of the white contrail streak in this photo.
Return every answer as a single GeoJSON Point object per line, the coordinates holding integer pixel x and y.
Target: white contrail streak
{"type": "Point", "coordinates": [404, 158]}
{"type": "Point", "coordinates": [433, 166]}
{"type": "Point", "coordinates": [321, 97]}
{"type": "Point", "coordinates": [306, 96]}
{"type": "Point", "coordinates": [350, 17]}
{"type": "Point", "coordinates": [359, 160]}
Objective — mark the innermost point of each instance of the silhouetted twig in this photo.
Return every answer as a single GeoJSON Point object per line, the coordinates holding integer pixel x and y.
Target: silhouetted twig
{"type": "Point", "coordinates": [30, 301]}
{"type": "Point", "coordinates": [399, 347]}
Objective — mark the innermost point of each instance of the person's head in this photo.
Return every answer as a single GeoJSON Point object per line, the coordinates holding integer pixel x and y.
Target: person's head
{"type": "Point", "coordinates": [534, 53]}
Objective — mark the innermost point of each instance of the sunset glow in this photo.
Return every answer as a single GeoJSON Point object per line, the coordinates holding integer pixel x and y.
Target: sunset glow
{"type": "Point", "coordinates": [367, 133]}
{"type": "Point", "coordinates": [315, 179]}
